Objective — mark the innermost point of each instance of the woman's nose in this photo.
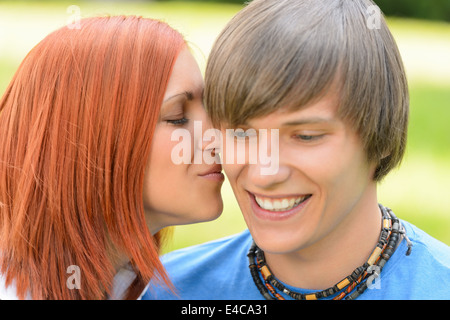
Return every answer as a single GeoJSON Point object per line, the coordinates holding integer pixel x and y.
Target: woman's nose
{"type": "Point", "coordinates": [208, 140]}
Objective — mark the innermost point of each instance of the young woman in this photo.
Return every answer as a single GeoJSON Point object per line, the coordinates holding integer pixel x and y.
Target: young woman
{"type": "Point", "coordinates": [86, 177]}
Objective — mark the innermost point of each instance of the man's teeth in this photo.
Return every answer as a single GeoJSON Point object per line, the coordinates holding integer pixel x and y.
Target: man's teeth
{"type": "Point", "coordinates": [280, 204]}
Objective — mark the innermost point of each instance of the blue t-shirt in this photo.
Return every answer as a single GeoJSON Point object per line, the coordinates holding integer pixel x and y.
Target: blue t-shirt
{"type": "Point", "coordinates": [218, 270]}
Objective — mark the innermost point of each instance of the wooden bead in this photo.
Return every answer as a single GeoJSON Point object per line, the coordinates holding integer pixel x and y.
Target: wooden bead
{"type": "Point", "coordinates": [376, 253]}
{"type": "Point", "coordinates": [310, 296]}
{"type": "Point", "coordinates": [341, 285]}
{"type": "Point", "coordinates": [265, 272]}
{"type": "Point", "coordinates": [387, 224]}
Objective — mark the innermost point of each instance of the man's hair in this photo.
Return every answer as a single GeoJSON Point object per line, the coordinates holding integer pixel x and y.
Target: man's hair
{"type": "Point", "coordinates": [288, 54]}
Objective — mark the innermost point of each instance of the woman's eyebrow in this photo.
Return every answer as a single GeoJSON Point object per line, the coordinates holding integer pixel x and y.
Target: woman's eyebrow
{"type": "Point", "coordinates": [188, 94]}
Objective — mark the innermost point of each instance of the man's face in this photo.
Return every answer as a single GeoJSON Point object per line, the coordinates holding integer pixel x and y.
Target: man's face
{"type": "Point", "coordinates": [324, 178]}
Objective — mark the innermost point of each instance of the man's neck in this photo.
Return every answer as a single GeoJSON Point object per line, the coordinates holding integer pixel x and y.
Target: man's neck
{"type": "Point", "coordinates": [335, 256]}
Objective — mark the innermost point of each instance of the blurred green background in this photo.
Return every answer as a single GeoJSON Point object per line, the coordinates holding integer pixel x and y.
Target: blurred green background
{"type": "Point", "coordinates": [419, 191]}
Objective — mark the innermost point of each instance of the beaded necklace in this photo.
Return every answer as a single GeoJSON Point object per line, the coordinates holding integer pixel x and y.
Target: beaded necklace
{"type": "Point", "coordinates": [390, 237]}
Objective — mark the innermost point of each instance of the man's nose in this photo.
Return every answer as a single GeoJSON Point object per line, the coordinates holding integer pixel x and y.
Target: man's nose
{"type": "Point", "coordinates": [258, 177]}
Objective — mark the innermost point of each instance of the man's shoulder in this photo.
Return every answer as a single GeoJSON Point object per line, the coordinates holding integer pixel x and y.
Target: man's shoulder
{"type": "Point", "coordinates": [428, 247]}
{"type": "Point", "coordinates": [424, 274]}
{"type": "Point", "coordinates": [211, 270]}
{"type": "Point", "coordinates": [204, 252]}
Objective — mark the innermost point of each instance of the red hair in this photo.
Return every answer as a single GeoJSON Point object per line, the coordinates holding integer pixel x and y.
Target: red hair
{"type": "Point", "coordinates": [76, 122]}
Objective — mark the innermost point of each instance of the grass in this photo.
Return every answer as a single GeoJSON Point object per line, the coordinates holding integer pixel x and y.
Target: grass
{"type": "Point", "coordinates": [418, 191]}
{"type": "Point", "coordinates": [429, 131]}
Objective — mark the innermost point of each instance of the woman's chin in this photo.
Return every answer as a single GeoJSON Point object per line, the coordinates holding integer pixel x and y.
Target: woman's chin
{"type": "Point", "coordinates": [208, 213]}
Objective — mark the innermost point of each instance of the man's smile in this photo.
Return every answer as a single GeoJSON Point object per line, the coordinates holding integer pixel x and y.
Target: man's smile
{"type": "Point", "coordinates": [282, 203]}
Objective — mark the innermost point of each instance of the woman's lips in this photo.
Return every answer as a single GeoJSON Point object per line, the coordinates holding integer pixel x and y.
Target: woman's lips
{"type": "Point", "coordinates": [215, 176]}
{"type": "Point", "coordinates": [277, 208]}
{"type": "Point", "coordinates": [214, 173]}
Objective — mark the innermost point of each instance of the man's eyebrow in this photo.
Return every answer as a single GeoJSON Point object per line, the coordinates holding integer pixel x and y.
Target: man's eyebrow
{"type": "Point", "coordinates": [314, 120]}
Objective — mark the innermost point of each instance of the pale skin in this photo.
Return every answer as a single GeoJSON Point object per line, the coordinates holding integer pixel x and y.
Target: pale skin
{"type": "Point", "coordinates": [176, 194]}
{"type": "Point", "coordinates": [322, 160]}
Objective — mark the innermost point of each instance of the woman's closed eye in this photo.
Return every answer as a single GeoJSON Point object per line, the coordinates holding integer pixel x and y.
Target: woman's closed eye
{"type": "Point", "coordinates": [178, 122]}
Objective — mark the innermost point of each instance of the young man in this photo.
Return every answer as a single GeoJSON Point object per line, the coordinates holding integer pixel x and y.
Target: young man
{"type": "Point", "coordinates": [327, 75]}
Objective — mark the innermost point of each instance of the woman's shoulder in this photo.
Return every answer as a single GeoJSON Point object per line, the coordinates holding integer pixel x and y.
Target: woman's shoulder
{"type": "Point", "coordinates": [7, 292]}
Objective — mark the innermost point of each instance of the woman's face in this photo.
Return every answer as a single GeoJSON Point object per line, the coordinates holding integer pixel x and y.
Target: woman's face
{"type": "Point", "coordinates": [188, 192]}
